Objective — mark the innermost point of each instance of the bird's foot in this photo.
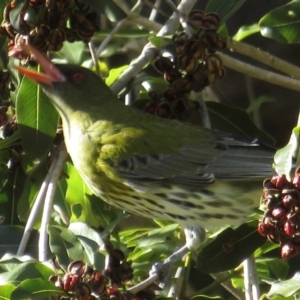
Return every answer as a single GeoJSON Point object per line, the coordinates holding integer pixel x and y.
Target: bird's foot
{"type": "Point", "coordinates": [160, 272]}
{"type": "Point", "coordinates": [195, 237]}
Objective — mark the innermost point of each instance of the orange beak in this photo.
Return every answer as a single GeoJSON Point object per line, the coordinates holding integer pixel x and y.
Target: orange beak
{"type": "Point", "coordinates": [51, 72]}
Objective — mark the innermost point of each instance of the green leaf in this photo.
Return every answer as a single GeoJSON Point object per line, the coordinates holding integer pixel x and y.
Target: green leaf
{"type": "Point", "coordinates": [3, 3]}
{"type": "Point", "coordinates": [64, 245]}
{"type": "Point", "coordinates": [37, 289]}
{"type": "Point", "coordinates": [224, 9]}
{"type": "Point", "coordinates": [160, 42]}
{"type": "Point", "coordinates": [78, 196]}
{"type": "Point", "coordinates": [283, 23]}
{"type": "Point", "coordinates": [285, 288]}
{"type": "Point", "coordinates": [12, 184]}
{"type": "Point", "coordinates": [246, 31]}
{"type": "Point", "coordinates": [32, 185]}
{"type": "Point", "coordinates": [279, 267]}
{"type": "Point", "coordinates": [235, 120]}
{"type": "Point", "coordinates": [255, 105]}
{"type": "Point", "coordinates": [10, 237]}
{"type": "Point", "coordinates": [114, 74]}
{"type": "Point", "coordinates": [37, 119]}
{"type": "Point", "coordinates": [283, 159]}
{"type": "Point", "coordinates": [27, 270]}
{"type": "Point", "coordinates": [6, 290]}
{"type": "Point", "coordinates": [72, 52]}
{"type": "Point", "coordinates": [111, 10]}
{"type": "Point", "coordinates": [12, 140]}
{"type": "Point", "coordinates": [203, 297]}
{"type": "Point", "coordinates": [229, 248]}
{"type": "Point", "coordinates": [91, 242]}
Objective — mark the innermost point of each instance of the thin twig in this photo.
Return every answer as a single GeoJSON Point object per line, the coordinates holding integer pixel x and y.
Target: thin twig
{"type": "Point", "coordinates": [264, 57]}
{"type": "Point", "coordinates": [224, 280]}
{"type": "Point", "coordinates": [94, 58]}
{"type": "Point", "coordinates": [259, 73]}
{"type": "Point", "coordinates": [247, 280]}
{"type": "Point", "coordinates": [149, 52]}
{"type": "Point", "coordinates": [115, 30]}
{"type": "Point", "coordinates": [35, 210]}
{"type": "Point", "coordinates": [43, 240]}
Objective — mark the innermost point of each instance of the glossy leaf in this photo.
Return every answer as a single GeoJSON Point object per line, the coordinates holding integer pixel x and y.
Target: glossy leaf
{"type": "Point", "coordinates": [36, 289]}
{"type": "Point", "coordinates": [256, 104]}
{"type": "Point", "coordinates": [27, 270]}
{"type": "Point", "coordinates": [78, 197]}
{"type": "Point", "coordinates": [160, 42]}
{"type": "Point", "coordinates": [12, 184]}
{"type": "Point", "coordinates": [283, 159]}
{"type": "Point", "coordinates": [235, 120]}
{"type": "Point", "coordinates": [12, 140]}
{"type": "Point", "coordinates": [114, 74]}
{"type": "Point", "coordinates": [203, 297]}
{"type": "Point", "coordinates": [3, 3]}
{"type": "Point", "coordinates": [229, 248]}
{"type": "Point", "coordinates": [224, 9]}
{"type": "Point", "coordinates": [285, 288]}
{"type": "Point", "coordinates": [32, 185]}
{"type": "Point", "coordinates": [91, 242]}
{"type": "Point", "coordinates": [279, 267]}
{"type": "Point", "coordinates": [6, 290]}
{"type": "Point", "coordinates": [246, 31]}
{"type": "Point", "coordinates": [64, 245]}
{"type": "Point", "coordinates": [72, 52]}
{"type": "Point", "coordinates": [283, 23]}
{"type": "Point", "coordinates": [37, 119]}
{"type": "Point", "coordinates": [10, 237]}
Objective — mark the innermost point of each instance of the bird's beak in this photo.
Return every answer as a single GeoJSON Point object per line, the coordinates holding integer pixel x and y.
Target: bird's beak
{"type": "Point", "coordinates": [51, 72]}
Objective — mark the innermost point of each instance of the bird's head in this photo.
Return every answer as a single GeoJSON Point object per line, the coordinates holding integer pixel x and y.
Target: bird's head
{"type": "Point", "coordinates": [66, 84]}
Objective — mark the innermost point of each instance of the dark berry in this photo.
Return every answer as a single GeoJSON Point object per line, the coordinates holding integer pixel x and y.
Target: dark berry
{"type": "Point", "coordinates": [296, 181]}
{"type": "Point", "coordinates": [279, 181]}
{"type": "Point", "coordinates": [279, 212]}
{"type": "Point", "coordinates": [289, 228]}
{"type": "Point", "coordinates": [265, 229]}
{"type": "Point", "coordinates": [289, 249]}
{"type": "Point", "coordinates": [290, 200]}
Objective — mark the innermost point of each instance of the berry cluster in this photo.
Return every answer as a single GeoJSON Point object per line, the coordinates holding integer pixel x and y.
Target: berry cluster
{"type": "Point", "coordinates": [281, 221]}
{"type": "Point", "coordinates": [46, 24]}
{"type": "Point", "coordinates": [83, 282]}
{"type": "Point", "coordinates": [194, 65]}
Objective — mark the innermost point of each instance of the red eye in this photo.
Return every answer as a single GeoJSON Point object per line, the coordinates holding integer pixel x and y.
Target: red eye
{"type": "Point", "coordinates": [78, 76]}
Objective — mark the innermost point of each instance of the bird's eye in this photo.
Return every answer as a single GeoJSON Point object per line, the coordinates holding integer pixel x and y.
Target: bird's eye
{"type": "Point", "coordinates": [78, 76]}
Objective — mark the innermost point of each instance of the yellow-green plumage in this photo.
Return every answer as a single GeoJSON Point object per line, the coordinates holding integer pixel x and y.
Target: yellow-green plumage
{"type": "Point", "coordinates": [151, 166]}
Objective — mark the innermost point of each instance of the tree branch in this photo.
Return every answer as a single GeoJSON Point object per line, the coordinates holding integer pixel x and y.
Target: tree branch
{"type": "Point", "coordinates": [259, 73]}
{"type": "Point", "coordinates": [264, 57]}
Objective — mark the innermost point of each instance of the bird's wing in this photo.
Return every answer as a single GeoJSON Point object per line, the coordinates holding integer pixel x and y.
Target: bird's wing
{"type": "Point", "coordinates": [183, 154]}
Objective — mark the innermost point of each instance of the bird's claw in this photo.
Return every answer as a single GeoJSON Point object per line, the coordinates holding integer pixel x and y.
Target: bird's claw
{"type": "Point", "coordinates": [162, 270]}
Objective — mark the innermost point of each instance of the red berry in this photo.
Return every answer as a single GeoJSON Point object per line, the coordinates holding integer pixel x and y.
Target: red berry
{"type": "Point", "coordinates": [296, 181]}
{"type": "Point", "coordinates": [270, 201]}
{"type": "Point", "coordinates": [289, 249]}
{"type": "Point", "coordinates": [279, 212]}
{"type": "Point", "coordinates": [289, 200]}
{"type": "Point", "coordinates": [289, 228]}
{"type": "Point", "coordinates": [279, 181]}
{"type": "Point", "coordinates": [151, 108]}
{"type": "Point", "coordinates": [265, 229]}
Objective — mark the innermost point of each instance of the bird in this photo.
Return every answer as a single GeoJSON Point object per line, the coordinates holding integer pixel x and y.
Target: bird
{"type": "Point", "coordinates": [149, 166]}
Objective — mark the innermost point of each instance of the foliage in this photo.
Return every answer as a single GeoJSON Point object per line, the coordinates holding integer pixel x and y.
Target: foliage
{"type": "Point", "coordinates": [80, 225]}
